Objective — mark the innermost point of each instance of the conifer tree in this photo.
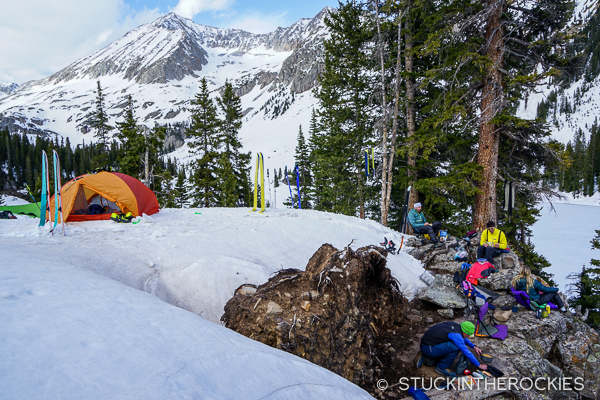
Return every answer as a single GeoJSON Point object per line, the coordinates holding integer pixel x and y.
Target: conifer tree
{"type": "Point", "coordinates": [204, 131]}
{"type": "Point", "coordinates": [235, 166]}
{"type": "Point", "coordinates": [181, 190]}
{"type": "Point", "coordinates": [98, 120]}
{"type": "Point", "coordinates": [132, 142]}
{"type": "Point", "coordinates": [302, 160]}
{"type": "Point", "coordinates": [346, 115]}
{"type": "Point", "coordinates": [585, 290]}
{"type": "Point", "coordinates": [490, 54]}
{"type": "Point", "coordinates": [151, 146]}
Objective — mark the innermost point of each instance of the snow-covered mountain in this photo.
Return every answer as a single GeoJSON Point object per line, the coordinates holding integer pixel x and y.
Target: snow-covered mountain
{"type": "Point", "coordinates": [572, 106]}
{"type": "Point", "coordinates": [161, 63]}
{"type": "Point", "coordinates": [7, 88]}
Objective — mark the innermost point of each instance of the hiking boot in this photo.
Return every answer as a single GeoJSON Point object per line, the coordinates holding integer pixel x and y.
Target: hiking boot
{"type": "Point", "coordinates": [445, 372]}
{"type": "Point", "coordinates": [563, 310]}
{"type": "Point", "coordinates": [419, 360]}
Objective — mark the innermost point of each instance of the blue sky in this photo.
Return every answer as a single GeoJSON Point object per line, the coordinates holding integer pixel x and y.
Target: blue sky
{"type": "Point", "coordinates": [40, 37]}
{"type": "Point", "coordinates": [227, 13]}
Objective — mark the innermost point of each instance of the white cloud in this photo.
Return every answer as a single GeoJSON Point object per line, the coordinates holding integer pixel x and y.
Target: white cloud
{"type": "Point", "coordinates": [103, 36]}
{"type": "Point", "coordinates": [260, 23]}
{"type": "Point", "coordinates": [40, 37]}
{"type": "Point", "coordinates": [189, 8]}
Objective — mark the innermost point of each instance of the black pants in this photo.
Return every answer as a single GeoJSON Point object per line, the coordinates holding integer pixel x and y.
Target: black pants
{"type": "Point", "coordinates": [431, 230]}
{"type": "Point", "coordinates": [551, 297]}
{"type": "Point", "coordinates": [488, 253]}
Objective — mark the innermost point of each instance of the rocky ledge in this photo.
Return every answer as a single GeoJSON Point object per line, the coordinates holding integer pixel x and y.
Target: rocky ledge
{"type": "Point", "coordinates": [346, 313]}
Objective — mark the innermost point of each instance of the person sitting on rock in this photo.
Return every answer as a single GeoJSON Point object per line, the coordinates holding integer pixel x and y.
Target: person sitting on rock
{"type": "Point", "coordinates": [526, 282]}
{"type": "Point", "coordinates": [419, 223]}
{"type": "Point", "coordinates": [492, 242]}
{"type": "Point", "coordinates": [444, 341]}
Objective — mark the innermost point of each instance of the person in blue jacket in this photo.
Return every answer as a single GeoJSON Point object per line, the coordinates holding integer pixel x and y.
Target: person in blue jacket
{"type": "Point", "coordinates": [419, 223]}
{"type": "Point", "coordinates": [444, 341]}
{"type": "Point", "coordinates": [525, 282]}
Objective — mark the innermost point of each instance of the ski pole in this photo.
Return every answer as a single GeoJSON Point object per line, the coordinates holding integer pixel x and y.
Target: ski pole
{"type": "Point", "coordinates": [33, 198]}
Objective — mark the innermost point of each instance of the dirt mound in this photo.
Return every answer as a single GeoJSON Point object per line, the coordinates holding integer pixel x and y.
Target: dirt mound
{"type": "Point", "coordinates": [344, 313]}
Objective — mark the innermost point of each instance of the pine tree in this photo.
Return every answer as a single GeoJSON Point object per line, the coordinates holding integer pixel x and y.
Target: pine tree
{"type": "Point", "coordinates": [302, 161]}
{"type": "Point", "coordinates": [132, 142]}
{"type": "Point", "coordinates": [346, 115]}
{"type": "Point", "coordinates": [98, 120]}
{"type": "Point", "coordinates": [235, 166]}
{"type": "Point", "coordinates": [204, 131]}
{"type": "Point", "coordinates": [275, 178]}
{"type": "Point", "coordinates": [181, 190]}
{"type": "Point", "coordinates": [585, 291]}
{"type": "Point", "coordinates": [151, 146]}
{"type": "Point", "coordinates": [490, 55]}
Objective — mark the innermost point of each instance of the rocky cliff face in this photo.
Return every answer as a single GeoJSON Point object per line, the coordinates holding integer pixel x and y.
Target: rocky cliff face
{"type": "Point", "coordinates": [8, 88]}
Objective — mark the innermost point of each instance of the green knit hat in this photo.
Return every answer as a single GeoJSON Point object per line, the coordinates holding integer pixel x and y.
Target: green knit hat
{"type": "Point", "coordinates": [468, 328]}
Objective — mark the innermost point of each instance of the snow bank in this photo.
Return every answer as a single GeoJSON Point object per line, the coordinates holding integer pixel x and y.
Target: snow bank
{"type": "Point", "coordinates": [196, 258]}
{"type": "Point", "coordinates": [68, 333]}
{"type": "Point", "coordinates": [12, 200]}
{"type": "Point", "coordinates": [73, 325]}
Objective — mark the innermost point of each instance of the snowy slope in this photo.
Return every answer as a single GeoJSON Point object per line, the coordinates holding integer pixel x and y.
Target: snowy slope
{"type": "Point", "coordinates": [563, 126]}
{"type": "Point", "coordinates": [564, 236]}
{"type": "Point", "coordinates": [68, 333]}
{"type": "Point", "coordinates": [82, 316]}
{"type": "Point", "coordinates": [196, 261]}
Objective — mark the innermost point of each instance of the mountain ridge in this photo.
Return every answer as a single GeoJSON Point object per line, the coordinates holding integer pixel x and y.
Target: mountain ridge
{"type": "Point", "coordinates": [161, 64]}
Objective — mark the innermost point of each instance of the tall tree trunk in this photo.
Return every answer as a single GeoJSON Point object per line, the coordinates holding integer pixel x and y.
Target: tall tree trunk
{"type": "Point", "coordinates": [492, 102]}
{"type": "Point", "coordinates": [410, 117]}
{"type": "Point", "coordinates": [392, 151]}
{"type": "Point", "coordinates": [384, 132]}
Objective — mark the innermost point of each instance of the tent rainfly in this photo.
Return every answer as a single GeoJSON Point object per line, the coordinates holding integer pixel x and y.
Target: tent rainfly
{"type": "Point", "coordinates": [96, 196]}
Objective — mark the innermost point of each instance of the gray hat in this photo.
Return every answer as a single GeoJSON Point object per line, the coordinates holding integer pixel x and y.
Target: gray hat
{"type": "Point", "coordinates": [417, 205]}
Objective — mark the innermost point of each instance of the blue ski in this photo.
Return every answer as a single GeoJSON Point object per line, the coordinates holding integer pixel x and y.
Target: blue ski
{"type": "Point", "coordinates": [44, 206]}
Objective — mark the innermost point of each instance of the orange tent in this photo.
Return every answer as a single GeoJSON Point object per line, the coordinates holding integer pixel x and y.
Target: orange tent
{"type": "Point", "coordinates": [114, 192]}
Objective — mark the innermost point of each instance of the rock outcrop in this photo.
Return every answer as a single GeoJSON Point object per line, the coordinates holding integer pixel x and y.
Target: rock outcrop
{"type": "Point", "coordinates": [554, 349]}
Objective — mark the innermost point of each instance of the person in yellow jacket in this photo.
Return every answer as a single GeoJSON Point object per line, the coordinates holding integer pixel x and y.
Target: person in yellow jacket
{"type": "Point", "coordinates": [492, 242]}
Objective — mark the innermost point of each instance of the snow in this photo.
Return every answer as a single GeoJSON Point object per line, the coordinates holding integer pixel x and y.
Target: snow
{"type": "Point", "coordinates": [571, 198]}
{"type": "Point", "coordinates": [564, 238]}
{"type": "Point", "coordinates": [13, 201]}
{"type": "Point", "coordinates": [83, 317]}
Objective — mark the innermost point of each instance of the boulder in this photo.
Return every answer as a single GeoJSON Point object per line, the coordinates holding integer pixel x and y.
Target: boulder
{"type": "Point", "coordinates": [506, 261]}
{"type": "Point", "coordinates": [443, 292]}
{"type": "Point", "coordinates": [412, 241]}
{"type": "Point", "coordinates": [446, 266]}
{"type": "Point", "coordinates": [447, 313]}
{"type": "Point", "coordinates": [502, 315]}
{"type": "Point", "coordinates": [500, 280]}
{"type": "Point", "coordinates": [573, 353]}
{"type": "Point", "coordinates": [420, 252]}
